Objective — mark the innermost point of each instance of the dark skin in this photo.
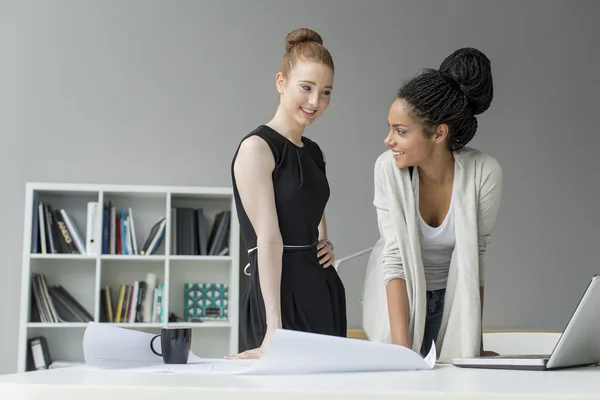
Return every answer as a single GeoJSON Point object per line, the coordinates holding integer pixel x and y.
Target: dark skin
{"type": "Point", "coordinates": [436, 176]}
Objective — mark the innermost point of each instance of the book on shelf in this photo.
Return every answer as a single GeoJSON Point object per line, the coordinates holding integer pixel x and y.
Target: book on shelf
{"type": "Point", "coordinates": [119, 234]}
{"type": "Point", "coordinates": [54, 304]}
{"type": "Point", "coordinates": [140, 301]}
{"type": "Point", "coordinates": [190, 236]}
{"type": "Point", "coordinates": [54, 231]}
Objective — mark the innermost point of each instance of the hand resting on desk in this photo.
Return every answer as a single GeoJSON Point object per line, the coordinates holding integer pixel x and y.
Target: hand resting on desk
{"type": "Point", "coordinates": [257, 352]}
{"type": "Point", "coordinates": [248, 354]}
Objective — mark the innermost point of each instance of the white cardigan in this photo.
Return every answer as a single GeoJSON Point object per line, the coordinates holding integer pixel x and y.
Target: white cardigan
{"type": "Point", "coordinates": [478, 191]}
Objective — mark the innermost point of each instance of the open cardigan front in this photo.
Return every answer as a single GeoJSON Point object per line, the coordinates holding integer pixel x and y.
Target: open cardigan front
{"type": "Point", "coordinates": [478, 180]}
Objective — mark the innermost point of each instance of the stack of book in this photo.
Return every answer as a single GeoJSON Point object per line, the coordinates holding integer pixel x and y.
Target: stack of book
{"type": "Point", "coordinates": [141, 301]}
{"type": "Point", "coordinates": [54, 231]}
{"type": "Point", "coordinates": [189, 232]}
{"type": "Point", "coordinates": [119, 234]}
{"type": "Point", "coordinates": [54, 303]}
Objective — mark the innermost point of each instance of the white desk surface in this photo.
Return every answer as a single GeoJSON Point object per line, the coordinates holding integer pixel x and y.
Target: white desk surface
{"type": "Point", "coordinates": [443, 381]}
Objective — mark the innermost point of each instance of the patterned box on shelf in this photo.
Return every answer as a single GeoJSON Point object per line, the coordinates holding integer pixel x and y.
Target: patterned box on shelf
{"type": "Point", "coordinates": [205, 301]}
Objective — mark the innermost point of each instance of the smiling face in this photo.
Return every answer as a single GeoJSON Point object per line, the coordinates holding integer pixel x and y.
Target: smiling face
{"type": "Point", "coordinates": [406, 138]}
{"type": "Point", "coordinates": [305, 93]}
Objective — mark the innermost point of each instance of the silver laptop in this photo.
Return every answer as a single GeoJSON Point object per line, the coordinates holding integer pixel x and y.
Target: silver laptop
{"type": "Point", "coordinates": [578, 345]}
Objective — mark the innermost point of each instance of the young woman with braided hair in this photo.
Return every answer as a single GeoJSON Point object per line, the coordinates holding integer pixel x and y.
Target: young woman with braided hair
{"type": "Point", "coordinates": [437, 202]}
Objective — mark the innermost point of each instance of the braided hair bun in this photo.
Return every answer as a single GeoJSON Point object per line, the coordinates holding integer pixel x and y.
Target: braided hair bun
{"type": "Point", "coordinates": [471, 70]}
{"type": "Point", "coordinates": [452, 95]}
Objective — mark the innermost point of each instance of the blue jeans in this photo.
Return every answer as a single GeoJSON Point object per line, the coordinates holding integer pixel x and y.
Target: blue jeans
{"type": "Point", "coordinates": [433, 321]}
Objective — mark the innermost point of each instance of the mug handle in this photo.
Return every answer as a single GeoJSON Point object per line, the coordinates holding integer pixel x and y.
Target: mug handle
{"type": "Point", "coordinates": [152, 347]}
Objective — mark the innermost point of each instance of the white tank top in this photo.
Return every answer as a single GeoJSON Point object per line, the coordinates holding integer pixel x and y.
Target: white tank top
{"type": "Point", "coordinates": [437, 244]}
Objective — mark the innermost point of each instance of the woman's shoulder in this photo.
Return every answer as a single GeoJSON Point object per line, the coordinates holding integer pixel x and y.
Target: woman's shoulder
{"type": "Point", "coordinates": [265, 133]}
{"type": "Point", "coordinates": [478, 159]}
{"type": "Point", "coordinates": [262, 138]}
{"type": "Point", "coordinates": [484, 167]}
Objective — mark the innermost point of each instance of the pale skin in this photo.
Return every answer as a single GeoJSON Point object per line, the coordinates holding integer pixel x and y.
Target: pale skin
{"type": "Point", "coordinates": [304, 96]}
{"type": "Point", "coordinates": [435, 163]}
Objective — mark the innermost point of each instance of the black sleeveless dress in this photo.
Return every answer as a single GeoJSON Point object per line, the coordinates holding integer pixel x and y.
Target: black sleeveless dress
{"type": "Point", "coordinates": [313, 298]}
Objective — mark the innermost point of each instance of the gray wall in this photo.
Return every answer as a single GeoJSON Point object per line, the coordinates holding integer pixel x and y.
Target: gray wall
{"type": "Point", "coordinates": [83, 85]}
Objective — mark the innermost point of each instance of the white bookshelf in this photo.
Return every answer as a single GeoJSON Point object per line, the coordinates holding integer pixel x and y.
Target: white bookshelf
{"type": "Point", "coordinates": [83, 276]}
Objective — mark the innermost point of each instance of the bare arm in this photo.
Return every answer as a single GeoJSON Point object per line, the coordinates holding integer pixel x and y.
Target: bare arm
{"type": "Point", "coordinates": [323, 222]}
{"type": "Point", "coordinates": [324, 249]}
{"type": "Point", "coordinates": [253, 168]}
{"type": "Point", "coordinates": [323, 228]}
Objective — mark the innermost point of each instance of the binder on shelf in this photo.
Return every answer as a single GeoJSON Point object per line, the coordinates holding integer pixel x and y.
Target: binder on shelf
{"type": "Point", "coordinates": [39, 352]}
{"type": "Point", "coordinates": [190, 236]}
{"type": "Point", "coordinates": [94, 232]}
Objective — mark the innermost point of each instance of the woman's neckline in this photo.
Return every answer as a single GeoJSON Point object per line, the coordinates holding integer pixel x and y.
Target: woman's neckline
{"type": "Point", "coordinates": [416, 184]}
{"type": "Point", "coordinates": [286, 138]}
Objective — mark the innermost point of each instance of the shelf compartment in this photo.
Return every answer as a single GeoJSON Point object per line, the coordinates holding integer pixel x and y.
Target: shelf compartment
{"type": "Point", "coordinates": [147, 209]}
{"type": "Point", "coordinates": [63, 344]}
{"type": "Point", "coordinates": [75, 205]}
{"type": "Point", "coordinates": [194, 271]}
{"type": "Point", "coordinates": [76, 276]}
{"type": "Point", "coordinates": [183, 224]}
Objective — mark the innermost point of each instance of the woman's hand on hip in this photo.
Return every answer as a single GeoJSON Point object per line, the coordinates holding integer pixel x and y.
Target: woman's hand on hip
{"type": "Point", "coordinates": [325, 253]}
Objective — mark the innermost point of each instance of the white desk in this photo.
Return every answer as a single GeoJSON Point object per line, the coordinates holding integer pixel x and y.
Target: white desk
{"type": "Point", "coordinates": [451, 382]}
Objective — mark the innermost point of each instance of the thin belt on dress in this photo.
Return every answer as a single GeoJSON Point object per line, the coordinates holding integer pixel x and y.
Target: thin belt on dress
{"type": "Point", "coordinates": [285, 247]}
